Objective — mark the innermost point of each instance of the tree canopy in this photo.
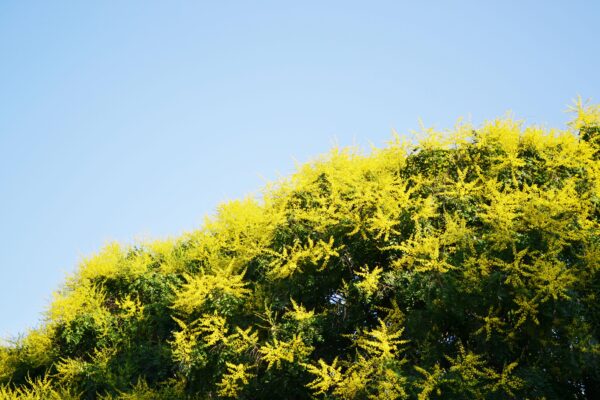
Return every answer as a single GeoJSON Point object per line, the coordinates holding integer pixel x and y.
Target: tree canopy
{"type": "Point", "coordinates": [464, 265]}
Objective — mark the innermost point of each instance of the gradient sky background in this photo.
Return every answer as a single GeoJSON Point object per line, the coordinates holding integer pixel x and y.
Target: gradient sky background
{"type": "Point", "coordinates": [122, 120]}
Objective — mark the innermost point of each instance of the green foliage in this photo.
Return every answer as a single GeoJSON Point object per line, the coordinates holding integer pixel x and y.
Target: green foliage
{"type": "Point", "coordinates": [464, 266]}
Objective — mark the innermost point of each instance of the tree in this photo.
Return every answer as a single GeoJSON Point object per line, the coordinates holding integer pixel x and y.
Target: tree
{"type": "Point", "coordinates": [464, 266]}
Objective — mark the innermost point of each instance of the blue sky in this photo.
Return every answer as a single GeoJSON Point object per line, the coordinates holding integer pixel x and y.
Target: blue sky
{"type": "Point", "coordinates": [128, 120]}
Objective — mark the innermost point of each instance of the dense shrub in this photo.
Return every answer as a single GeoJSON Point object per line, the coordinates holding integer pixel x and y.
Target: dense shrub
{"type": "Point", "coordinates": [465, 266]}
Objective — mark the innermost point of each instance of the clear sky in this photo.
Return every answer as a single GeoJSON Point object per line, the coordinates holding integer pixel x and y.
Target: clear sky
{"type": "Point", "coordinates": [122, 120]}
